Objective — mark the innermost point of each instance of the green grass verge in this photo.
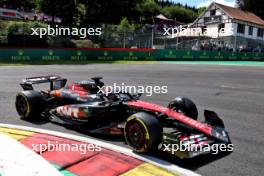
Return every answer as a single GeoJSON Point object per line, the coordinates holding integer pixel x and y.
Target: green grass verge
{"type": "Point", "coordinates": [231, 63]}
{"type": "Point", "coordinates": [74, 63]}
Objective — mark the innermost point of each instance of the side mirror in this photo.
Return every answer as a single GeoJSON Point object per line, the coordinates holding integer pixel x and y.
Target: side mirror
{"type": "Point", "coordinates": [137, 96]}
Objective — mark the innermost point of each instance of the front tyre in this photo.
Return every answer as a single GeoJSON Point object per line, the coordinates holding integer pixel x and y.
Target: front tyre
{"type": "Point", "coordinates": [143, 132]}
{"type": "Point", "coordinates": [29, 104]}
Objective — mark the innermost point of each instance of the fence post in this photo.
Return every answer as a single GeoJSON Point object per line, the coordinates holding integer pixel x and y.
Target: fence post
{"type": "Point", "coordinates": [124, 42]}
{"type": "Point", "coordinates": [152, 37]}
{"type": "Point", "coordinates": [235, 45]}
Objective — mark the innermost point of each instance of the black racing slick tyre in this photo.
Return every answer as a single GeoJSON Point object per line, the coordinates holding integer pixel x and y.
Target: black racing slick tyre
{"type": "Point", "coordinates": [143, 132]}
{"type": "Point", "coordinates": [29, 104]}
{"type": "Point", "coordinates": [184, 106]}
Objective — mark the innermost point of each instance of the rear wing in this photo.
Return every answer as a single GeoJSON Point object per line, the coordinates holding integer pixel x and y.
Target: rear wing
{"type": "Point", "coordinates": [56, 82]}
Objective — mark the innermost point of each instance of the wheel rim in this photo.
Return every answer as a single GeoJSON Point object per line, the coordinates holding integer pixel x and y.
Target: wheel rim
{"type": "Point", "coordinates": [21, 105]}
{"type": "Point", "coordinates": [136, 135]}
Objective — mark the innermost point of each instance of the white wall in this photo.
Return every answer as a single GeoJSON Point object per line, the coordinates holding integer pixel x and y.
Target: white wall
{"type": "Point", "coordinates": [218, 12]}
{"type": "Point", "coordinates": [232, 26]}
{"type": "Point", "coordinates": [253, 36]}
{"type": "Point", "coordinates": [212, 30]}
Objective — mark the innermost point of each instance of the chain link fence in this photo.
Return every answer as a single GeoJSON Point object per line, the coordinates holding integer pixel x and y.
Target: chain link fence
{"type": "Point", "coordinates": [145, 37]}
{"type": "Point", "coordinates": [153, 38]}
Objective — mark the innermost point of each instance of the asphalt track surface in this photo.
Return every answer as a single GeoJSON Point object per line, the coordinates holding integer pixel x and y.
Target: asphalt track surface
{"type": "Point", "coordinates": [236, 93]}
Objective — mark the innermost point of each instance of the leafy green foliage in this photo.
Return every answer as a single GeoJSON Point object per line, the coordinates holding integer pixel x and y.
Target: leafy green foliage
{"type": "Point", "coordinates": [149, 8]}
{"type": "Point", "coordinates": [22, 28]}
{"type": "Point", "coordinates": [81, 12]}
{"type": "Point", "coordinates": [125, 25]}
{"type": "Point", "coordinates": [19, 34]}
{"type": "Point", "coordinates": [59, 41]}
{"type": "Point", "coordinates": [111, 11]}
{"type": "Point", "coordinates": [59, 8]}
{"type": "Point", "coordinates": [179, 13]}
{"type": "Point", "coordinates": [84, 44]}
{"type": "Point", "coordinates": [255, 6]}
{"type": "Point", "coordinates": [26, 4]}
{"type": "Point", "coordinates": [201, 10]}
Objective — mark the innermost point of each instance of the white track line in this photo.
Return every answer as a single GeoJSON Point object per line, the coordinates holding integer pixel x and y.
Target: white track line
{"type": "Point", "coordinates": [150, 159]}
{"type": "Point", "coordinates": [17, 159]}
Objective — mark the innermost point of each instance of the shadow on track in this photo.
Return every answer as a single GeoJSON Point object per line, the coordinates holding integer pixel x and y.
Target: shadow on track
{"type": "Point", "coordinates": [191, 164]}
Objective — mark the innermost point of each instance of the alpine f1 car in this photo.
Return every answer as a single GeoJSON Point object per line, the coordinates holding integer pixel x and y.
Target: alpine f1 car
{"type": "Point", "coordinates": [145, 126]}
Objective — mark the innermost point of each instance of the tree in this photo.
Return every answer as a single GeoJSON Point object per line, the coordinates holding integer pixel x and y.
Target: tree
{"type": "Point", "coordinates": [180, 13]}
{"type": "Point", "coordinates": [125, 25]}
{"type": "Point", "coordinates": [239, 3]}
{"type": "Point", "coordinates": [201, 10]}
{"type": "Point", "coordinates": [58, 8]}
{"type": "Point", "coordinates": [79, 14]}
{"type": "Point", "coordinates": [111, 11]}
{"type": "Point", "coordinates": [18, 4]}
{"type": "Point", "coordinates": [84, 12]}
{"type": "Point", "coordinates": [254, 6]}
{"type": "Point", "coordinates": [149, 8]}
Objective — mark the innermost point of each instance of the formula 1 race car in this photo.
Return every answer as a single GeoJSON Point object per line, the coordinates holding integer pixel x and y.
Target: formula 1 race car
{"type": "Point", "coordinates": [146, 126]}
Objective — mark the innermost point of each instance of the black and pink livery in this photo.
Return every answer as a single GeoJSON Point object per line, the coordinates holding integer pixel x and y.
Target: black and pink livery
{"type": "Point", "coordinates": [145, 126]}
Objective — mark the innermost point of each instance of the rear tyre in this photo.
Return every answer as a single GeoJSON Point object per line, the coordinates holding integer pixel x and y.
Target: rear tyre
{"type": "Point", "coordinates": [29, 104]}
{"type": "Point", "coordinates": [184, 106]}
{"type": "Point", "coordinates": [143, 132]}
